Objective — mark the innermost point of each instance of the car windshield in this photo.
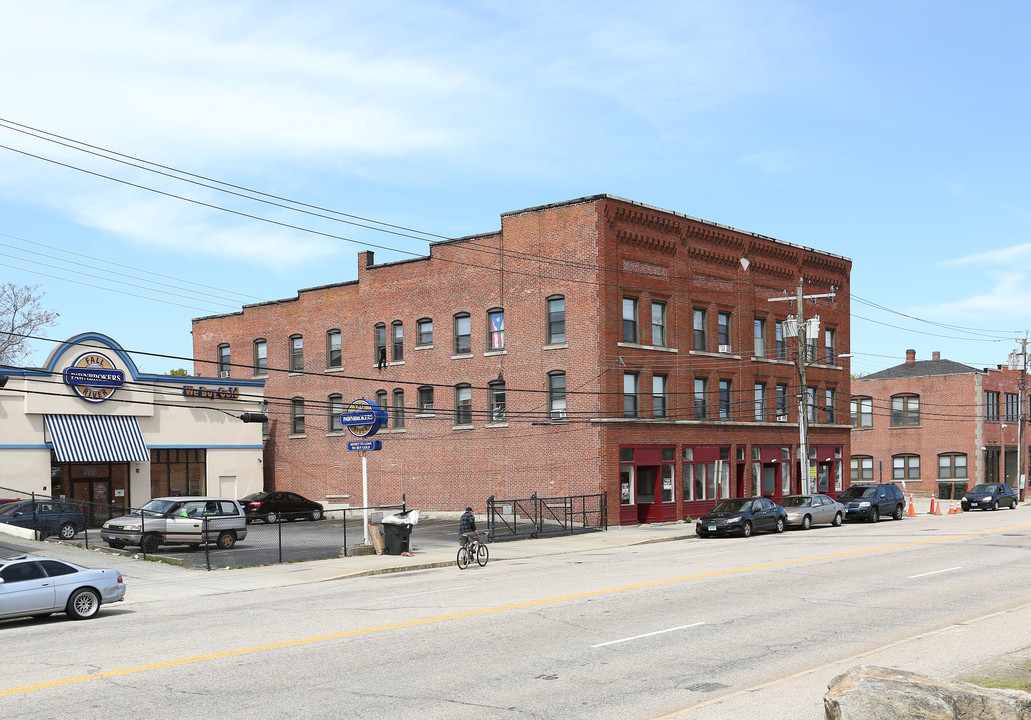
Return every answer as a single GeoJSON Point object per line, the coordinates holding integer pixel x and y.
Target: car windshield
{"type": "Point", "coordinates": [976, 489]}
{"type": "Point", "coordinates": [797, 501]}
{"type": "Point", "coordinates": [160, 507]}
{"type": "Point", "coordinates": [254, 496]}
{"type": "Point", "coordinates": [737, 505]}
{"type": "Point", "coordinates": [860, 492]}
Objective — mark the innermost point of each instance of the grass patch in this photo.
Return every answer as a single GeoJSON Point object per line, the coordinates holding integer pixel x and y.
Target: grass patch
{"type": "Point", "coordinates": [1023, 685]}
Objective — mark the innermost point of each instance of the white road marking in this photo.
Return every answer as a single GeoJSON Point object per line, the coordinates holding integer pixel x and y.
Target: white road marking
{"type": "Point", "coordinates": [933, 572]}
{"type": "Point", "coordinates": [638, 637]}
{"type": "Point", "coordinates": [430, 592]}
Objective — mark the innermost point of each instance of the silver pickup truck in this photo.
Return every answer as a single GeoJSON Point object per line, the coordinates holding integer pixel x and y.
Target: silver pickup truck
{"type": "Point", "coordinates": [179, 520]}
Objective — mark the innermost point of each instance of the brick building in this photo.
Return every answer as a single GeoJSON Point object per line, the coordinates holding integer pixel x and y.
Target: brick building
{"type": "Point", "coordinates": [936, 422]}
{"type": "Point", "coordinates": [591, 346]}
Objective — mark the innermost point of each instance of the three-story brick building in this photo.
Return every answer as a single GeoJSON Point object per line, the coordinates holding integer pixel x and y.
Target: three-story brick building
{"type": "Point", "coordinates": [591, 346]}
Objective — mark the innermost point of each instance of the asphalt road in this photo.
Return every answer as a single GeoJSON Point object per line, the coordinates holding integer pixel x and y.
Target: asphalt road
{"type": "Point", "coordinates": [698, 629]}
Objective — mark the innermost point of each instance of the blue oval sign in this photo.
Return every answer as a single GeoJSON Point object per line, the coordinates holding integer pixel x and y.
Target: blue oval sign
{"type": "Point", "coordinates": [363, 418]}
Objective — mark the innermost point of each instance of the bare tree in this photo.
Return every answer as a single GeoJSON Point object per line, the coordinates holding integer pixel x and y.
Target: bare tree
{"type": "Point", "coordinates": [21, 314]}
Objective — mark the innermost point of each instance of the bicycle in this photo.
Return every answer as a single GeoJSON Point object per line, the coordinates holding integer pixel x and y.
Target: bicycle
{"type": "Point", "coordinates": [472, 549]}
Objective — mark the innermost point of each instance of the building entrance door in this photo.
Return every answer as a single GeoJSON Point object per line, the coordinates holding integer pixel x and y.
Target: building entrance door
{"type": "Point", "coordinates": [647, 495]}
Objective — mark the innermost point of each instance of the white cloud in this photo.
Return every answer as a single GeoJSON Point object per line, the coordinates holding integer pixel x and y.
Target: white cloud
{"type": "Point", "coordinates": [1008, 297]}
{"type": "Point", "coordinates": [1001, 256]}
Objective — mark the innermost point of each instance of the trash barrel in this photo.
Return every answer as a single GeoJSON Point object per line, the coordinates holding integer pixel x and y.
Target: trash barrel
{"type": "Point", "coordinates": [398, 537]}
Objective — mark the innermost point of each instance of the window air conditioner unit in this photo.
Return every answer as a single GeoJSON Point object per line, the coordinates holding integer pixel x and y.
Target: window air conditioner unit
{"type": "Point", "coordinates": [427, 406]}
{"type": "Point", "coordinates": [223, 373]}
{"type": "Point", "coordinates": [558, 414]}
{"type": "Point", "coordinates": [724, 348]}
{"type": "Point", "coordinates": [782, 418]}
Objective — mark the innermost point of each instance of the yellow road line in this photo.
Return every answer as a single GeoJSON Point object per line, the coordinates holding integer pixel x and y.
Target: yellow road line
{"type": "Point", "coordinates": [482, 611]}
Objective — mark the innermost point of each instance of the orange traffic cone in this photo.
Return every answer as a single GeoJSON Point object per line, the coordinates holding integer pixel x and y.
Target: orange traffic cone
{"type": "Point", "coordinates": [912, 511]}
{"type": "Point", "coordinates": [959, 508]}
{"type": "Point", "coordinates": [937, 507]}
{"type": "Point", "coordinates": [952, 507]}
{"type": "Point", "coordinates": [934, 504]}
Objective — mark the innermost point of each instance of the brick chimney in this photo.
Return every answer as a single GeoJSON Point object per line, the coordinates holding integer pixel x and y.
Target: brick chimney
{"type": "Point", "coordinates": [910, 357]}
{"type": "Point", "coordinates": [936, 355]}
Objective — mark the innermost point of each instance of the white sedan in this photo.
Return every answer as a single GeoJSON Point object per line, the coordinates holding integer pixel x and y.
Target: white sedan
{"type": "Point", "coordinates": [39, 586]}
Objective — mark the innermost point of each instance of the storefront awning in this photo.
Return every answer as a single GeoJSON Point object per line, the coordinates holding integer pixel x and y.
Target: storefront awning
{"type": "Point", "coordinates": [97, 438]}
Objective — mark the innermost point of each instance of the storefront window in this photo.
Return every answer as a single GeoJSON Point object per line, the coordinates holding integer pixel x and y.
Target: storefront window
{"type": "Point", "coordinates": [626, 484]}
{"type": "Point", "coordinates": [667, 483]}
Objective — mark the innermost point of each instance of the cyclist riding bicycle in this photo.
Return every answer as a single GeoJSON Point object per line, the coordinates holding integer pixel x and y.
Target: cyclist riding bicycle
{"type": "Point", "coordinates": [466, 526]}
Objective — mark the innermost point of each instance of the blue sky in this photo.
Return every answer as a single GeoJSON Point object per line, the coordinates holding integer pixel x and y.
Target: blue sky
{"type": "Point", "coordinates": [894, 133]}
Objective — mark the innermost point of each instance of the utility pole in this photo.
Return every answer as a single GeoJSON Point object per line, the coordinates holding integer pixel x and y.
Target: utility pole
{"type": "Point", "coordinates": [797, 326]}
{"type": "Point", "coordinates": [1021, 479]}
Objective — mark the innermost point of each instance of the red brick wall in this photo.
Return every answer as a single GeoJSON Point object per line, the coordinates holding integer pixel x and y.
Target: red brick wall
{"type": "Point", "coordinates": [591, 251]}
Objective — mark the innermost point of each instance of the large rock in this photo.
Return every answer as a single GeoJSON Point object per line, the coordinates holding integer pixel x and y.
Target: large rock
{"type": "Point", "coordinates": [873, 693]}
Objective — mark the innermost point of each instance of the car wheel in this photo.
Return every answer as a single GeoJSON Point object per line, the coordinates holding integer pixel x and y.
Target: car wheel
{"type": "Point", "coordinates": [149, 544]}
{"type": "Point", "coordinates": [780, 525]}
{"type": "Point", "coordinates": [83, 604]}
{"type": "Point", "coordinates": [746, 529]}
{"type": "Point", "coordinates": [66, 531]}
{"type": "Point", "coordinates": [837, 520]}
{"type": "Point", "coordinates": [272, 517]}
{"type": "Point", "coordinates": [897, 515]}
{"type": "Point", "coordinates": [316, 514]}
{"type": "Point", "coordinates": [226, 539]}
{"type": "Point", "coordinates": [807, 522]}
{"type": "Point", "coordinates": [995, 504]}
{"type": "Point", "coordinates": [875, 514]}
{"type": "Point", "coordinates": [1013, 504]}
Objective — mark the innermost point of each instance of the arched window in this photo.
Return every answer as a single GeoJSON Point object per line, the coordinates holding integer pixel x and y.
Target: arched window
{"type": "Point", "coordinates": [399, 409]}
{"type": "Point", "coordinates": [335, 405]}
{"type": "Point", "coordinates": [556, 308]}
{"type": "Point", "coordinates": [905, 467]}
{"type": "Point", "coordinates": [296, 353]}
{"type": "Point", "coordinates": [463, 334]}
{"type": "Point", "coordinates": [397, 345]}
{"type": "Point", "coordinates": [496, 329]}
{"type": "Point", "coordinates": [557, 395]}
{"type": "Point", "coordinates": [224, 362]}
{"type": "Point", "coordinates": [862, 412]}
{"type": "Point", "coordinates": [424, 332]}
{"type": "Point", "coordinates": [905, 410]}
{"type": "Point", "coordinates": [297, 416]}
{"type": "Point", "coordinates": [334, 358]}
{"type": "Point", "coordinates": [260, 357]}
{"type": "Point", "coordinates": [463, 404]}
{"type": "Point", "coordinates": [862, 467]}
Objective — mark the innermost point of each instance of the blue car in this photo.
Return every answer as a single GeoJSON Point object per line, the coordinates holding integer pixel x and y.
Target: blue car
{"type": "Point", "coordinates": [48, 517]}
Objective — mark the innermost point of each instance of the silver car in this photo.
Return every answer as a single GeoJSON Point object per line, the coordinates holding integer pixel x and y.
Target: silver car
{"type": "Point", "coordinates": [189, 520]}
{"type": "Point", "coordinates": [804, 511]}
{"type": "Point", "coordinates": [39, 586]}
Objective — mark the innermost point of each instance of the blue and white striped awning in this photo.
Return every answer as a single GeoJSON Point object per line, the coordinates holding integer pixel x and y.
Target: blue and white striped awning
{"type": "Point", "coordinates": [97, 438]}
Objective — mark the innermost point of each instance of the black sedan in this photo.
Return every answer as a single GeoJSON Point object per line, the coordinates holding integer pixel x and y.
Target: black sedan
{"type": "Point", "coordinates": [990, 496]}
{"type": "Point", "coordinates": [273, 506]}
{"type": "Point", "coordinates": [742, 516]}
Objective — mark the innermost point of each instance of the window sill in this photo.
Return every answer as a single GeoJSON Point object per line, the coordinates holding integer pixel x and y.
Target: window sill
{"type": "Point", "coordinates": [396, 431]}
{"type": "Point", "coordinates": [337, 433]}
{"type": "Point", "coordinates": [556, 346]}
{"type": "Point", "coordinates": [904, 427]}
{"type": "Point", "coordinates": [774, 361]}
{"type": "Point", "coordinates": [461, 355]}
{"type": "Point", "coordinates": [462, 427]}
{"type": "Point", "coordinates": [656, 348]}
{"type": "Point", "coordinates": [425, 415]}
{"type": "Point", "coordinates": [499, 351]}
{"type": "Point", "coordinates": [263, 376]}
{"type": "Point", "coordinates": [296, 437]}
{"type": "Point", "coordinates": [497, 425]}
{"type": "Point", "coordinates": [706, 353]}
{"type": "Point", "coordinates": [424, 347]}
{"type": "Point", "coordinates": [295, 373]}
{"type": "Point", "coordinates": [334, 369]}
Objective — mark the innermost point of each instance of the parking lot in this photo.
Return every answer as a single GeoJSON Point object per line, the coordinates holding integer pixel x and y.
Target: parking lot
{"type": "Point", "coordinates": [295, 542]}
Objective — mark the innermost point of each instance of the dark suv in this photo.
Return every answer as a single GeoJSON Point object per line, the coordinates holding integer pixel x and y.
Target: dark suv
{"type": "Point", "coordinates": [49, 517]}
{"type": "Point", "coordinates": [871, 502]}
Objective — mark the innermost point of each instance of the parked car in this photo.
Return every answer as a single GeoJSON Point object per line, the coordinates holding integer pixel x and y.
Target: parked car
{"type": "Point", "coordinates": [273, 506]}
{"type": "Point", "coordinates": [186, 519]}
{"type": "Point", "coordinates": [741, 515]}
{"type": "Point", "coordinates": [50, 517]}
{"type": "Point", "coordinates": [39, 586]}
{"type": "Point", "coordinates": [871, 502]}
{"type": "Point", "coordinates": [804, 511]}
{"type": "Point", "coordinates": [989, 496]}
